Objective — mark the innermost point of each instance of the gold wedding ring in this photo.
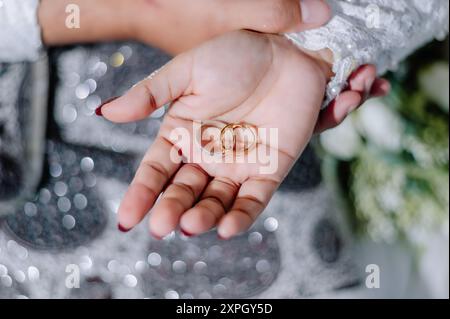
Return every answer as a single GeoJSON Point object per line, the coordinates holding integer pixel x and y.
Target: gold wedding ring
{"type": "Point", "coordinates": [232, 128]}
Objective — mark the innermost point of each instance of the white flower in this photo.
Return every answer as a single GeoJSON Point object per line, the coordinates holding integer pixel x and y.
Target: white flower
{"type": "Point", "coordinates": [343, 141]}
{"type": "Point", "coordinates": [434, 81]}
{"type": "Point", "coordinates": [390, 198]}
{"type": "Point", "coordinates": [381, 125]}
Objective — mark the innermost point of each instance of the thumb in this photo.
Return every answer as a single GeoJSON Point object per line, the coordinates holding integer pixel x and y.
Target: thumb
{"type": "Point", "coordinates": [279, 16]}
{"type": "Point", "coordinates": [314, 14]}
{"type": "Point", "coordinates": [162, 87]}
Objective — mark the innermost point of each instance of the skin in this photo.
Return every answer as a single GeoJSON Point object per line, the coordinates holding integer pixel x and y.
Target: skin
{"type": "Point", "coordinates": [239, 77]}
{"type": "Point", "coordinates": [363, 85]}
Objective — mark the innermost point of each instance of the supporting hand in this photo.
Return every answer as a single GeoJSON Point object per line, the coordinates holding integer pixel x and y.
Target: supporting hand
{"type": "Point", "coordinates": [259, 79]}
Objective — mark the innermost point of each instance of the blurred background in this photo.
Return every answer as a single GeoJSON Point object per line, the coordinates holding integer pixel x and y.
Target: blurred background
{"type": "Point", "coordinates": [374, 191]}
{"type": "Point", "coordinates": [389, 164]}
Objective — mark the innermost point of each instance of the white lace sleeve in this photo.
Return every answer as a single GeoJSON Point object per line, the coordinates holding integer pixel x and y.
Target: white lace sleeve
{"type": "Point", "coordinates": [20, 34]}
{"type": "Point", "coordinates": [379, 32]}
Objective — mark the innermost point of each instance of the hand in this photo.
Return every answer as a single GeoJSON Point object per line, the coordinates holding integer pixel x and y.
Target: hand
{"type": "Point", "coordinates": [363, 85]}
{"type": "Point", "coordinates": [259, 79]}
{"type": "Point", "coordinates": [175, 25]}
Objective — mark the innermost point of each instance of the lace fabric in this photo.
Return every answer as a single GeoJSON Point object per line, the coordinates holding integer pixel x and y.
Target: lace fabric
{"type": "Point", "coordinates": [379, 32]}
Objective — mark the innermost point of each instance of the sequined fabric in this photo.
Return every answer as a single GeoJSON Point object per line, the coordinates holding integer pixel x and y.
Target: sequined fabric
{"type": "Point", "coordinates": [23, 116]}
{"type": "Point", "coordinates": [20, 34]}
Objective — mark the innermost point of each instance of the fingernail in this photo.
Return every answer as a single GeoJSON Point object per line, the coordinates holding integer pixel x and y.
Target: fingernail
{"type": "Point", "coordinates": [315, 12]}
{"type": "Point", "coordinates": [386, 87]}
{"type": "Point", "coordinates": [185, 233]}
{"type": "Point", "coordinates": [123, 229]}
{"type": "Point", "coordinates": [353, 108]}
{"type": "Point", "coordinates": [368, 87]}
{"type": "Point", "coordinates": [98, 110]}
{"type": "Point", "coordinates": [156, 236]}
{"type": "Point", "coordinates": [221, 237]}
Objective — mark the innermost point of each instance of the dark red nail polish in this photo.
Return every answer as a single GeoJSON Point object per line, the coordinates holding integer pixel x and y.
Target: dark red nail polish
{"type": "Point", "coordinates": [185, 233]}
{"type": "Point", "coordinates": [123, 229]}
{"type": "Point", "coordinates": [98, 110]}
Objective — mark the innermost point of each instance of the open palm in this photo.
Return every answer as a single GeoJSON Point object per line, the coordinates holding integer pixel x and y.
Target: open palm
{"type": "Point", "coordinates": [242, 77]}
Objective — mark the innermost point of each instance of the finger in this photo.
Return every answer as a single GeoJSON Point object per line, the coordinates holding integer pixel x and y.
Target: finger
{"type": "Point", "coordinates": [155, 170]}
{"type": "Point", "coordinates": [164, 86]}
{"type": "Point", "coordinates": [363, 79]}
{"type": "Point", "coordinates": [253, 197]}
{"type": "Point", "coordinates": [217, 199]}
{"type": "Point", "coordinates": [314, 14]}
{"type": "Point", "coordinates": [338, 110]}
{"type": "Point", "coordinates": [277, 16]}
{"type": "Point", "coordinates": [380, 88]}
{"type": "Point", "coordinates": [184, 191]}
